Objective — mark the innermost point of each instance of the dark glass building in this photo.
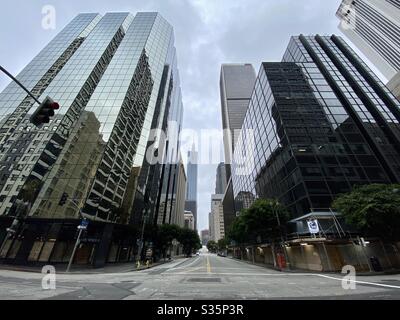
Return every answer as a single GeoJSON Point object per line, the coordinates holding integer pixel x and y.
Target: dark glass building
{"type": "Point", "coordinates": [115, 78]}
{"type": "Point", "coordinates": [318, 123]}
{"type": "Point", "coordinates": [191, 186]}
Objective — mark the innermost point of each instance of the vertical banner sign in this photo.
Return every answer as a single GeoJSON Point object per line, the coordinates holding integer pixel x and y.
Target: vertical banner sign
{"type": "Point", "coordinates": [313, 226]}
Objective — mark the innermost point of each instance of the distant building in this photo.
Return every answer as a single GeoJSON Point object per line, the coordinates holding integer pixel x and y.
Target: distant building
{"type": "Point", "coordinates": [216, 218]}
{"type": "Point", "coordinates": [205, 237]}
{"type": "Point", "coordinates": [220, 181]}
{"type": "Point", "coordinates": [191, 189]}
{"type": "Point", "coordinates": [178, 216]}
{"type": "Point", "coordinates": [189, 220]}
{"type": "Point", "coordinates": [236, 86]}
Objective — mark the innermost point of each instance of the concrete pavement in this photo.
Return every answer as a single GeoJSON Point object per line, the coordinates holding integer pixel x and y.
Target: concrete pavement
{"type": "Point", "coordinates": [202, 277]}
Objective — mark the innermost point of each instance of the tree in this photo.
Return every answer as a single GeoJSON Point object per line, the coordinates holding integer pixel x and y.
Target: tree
{"type": "Point", "coordinates": [238, 230]}
{"type": "Point", "coordinates": [264, 220]}
{"type": "Point", "coordinates": [212, 246]}
{"type": "Point", "coordinates": [373, 209]}
{"type": "Point", "coordinates": [222, 244]}
{"type": "Point", "coordinates": [164, 236]}
{"type": "Point", "coordinates": [190, 241]}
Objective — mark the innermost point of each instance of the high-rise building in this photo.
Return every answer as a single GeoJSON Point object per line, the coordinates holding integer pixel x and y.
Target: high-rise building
{"type": "Point", "coordinates": [220, 180]}
{"type": "Point", "coordinates": [236, 86]}
{"type": "Point", "coordinates": [191, 190]}
{"type": "Point", "coordinates": [374, 27]}
{"type": "Point", "coordinates": [318, 124]}
{"type": "Point", "coordinates": [115, 78]}
{"type": "Point", "coordinates": [205, 237]}
{"type": "Point", "coordinates": [178, 217]}
{"type": "Point", "coordinates": [189, 220]}
{"type": "Point", "coordinates": [216, 218]}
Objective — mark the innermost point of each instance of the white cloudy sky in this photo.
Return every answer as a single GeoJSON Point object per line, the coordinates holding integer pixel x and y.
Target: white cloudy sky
{"type": "Point", "coordinates": [207, 32]}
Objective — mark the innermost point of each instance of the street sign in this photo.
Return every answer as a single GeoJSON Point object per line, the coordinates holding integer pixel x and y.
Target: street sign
{"type": "Point", "coordinates": [84, 224]}
{"type": "Point", "coordinates": [313, 226]}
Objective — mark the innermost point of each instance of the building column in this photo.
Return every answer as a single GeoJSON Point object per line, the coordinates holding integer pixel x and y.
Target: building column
{"type": "Point", "coordinates": [101, 254]}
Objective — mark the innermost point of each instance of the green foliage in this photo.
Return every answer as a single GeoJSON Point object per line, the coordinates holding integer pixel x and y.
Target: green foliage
{"type": "Point", "coordinates": [212, 246]}
{"type": "Point", "coordinates": [222, 244]}
{"type": "Point", "coordinates": [373, 209]}
{"type": "Point", "coordinates": [164, 236]}
{"type": "Point", "coordinates": [190, 240]}
{"type": "Point", "coordinates": [259, 222]}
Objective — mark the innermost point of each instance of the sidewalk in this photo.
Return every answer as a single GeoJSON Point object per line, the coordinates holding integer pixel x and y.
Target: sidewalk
{"type": "Point", "coordinates": [83, 269]}
{"type": "Point", "coordinates": [382, 273]}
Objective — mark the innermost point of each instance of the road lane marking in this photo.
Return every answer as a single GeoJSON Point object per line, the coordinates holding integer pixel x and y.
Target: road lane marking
{"type": "Point", "coordinates": [208, 266]}
{"type": "Point", "coordinates": [361, 282]}
{"type": "Point", "coordinates": [184, 267]}
{"type": "Point", "coordinates": [301, 274]}
{"type": "Point", "coordinates": [192, 269]}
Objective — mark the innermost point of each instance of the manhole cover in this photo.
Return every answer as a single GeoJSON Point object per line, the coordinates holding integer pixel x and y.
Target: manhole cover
{"type": "Point", "coordinates": [204, 280]}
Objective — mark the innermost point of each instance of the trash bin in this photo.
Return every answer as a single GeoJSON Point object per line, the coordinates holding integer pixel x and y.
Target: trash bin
{"type": "Point", "coordinates": [376, 265]}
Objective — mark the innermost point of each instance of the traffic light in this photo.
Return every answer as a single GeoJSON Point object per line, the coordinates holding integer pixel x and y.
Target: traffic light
{"type": "Point", "coordinates": [44, 112]}
{"type": "Point", "coordinates": [63, 199]}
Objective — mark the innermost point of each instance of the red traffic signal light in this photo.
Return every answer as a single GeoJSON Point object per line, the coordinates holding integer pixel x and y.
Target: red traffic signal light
{"type": "Point", "coordinates": [44, 112]}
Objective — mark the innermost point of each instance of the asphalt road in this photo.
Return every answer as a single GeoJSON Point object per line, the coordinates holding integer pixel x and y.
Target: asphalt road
{"type": "Point", "coordinates": [202, 277]}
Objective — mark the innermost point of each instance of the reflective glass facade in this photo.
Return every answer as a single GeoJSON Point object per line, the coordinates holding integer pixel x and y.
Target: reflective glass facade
{"type": "Point", "coordinates": [115, 78]}
{"type": "Point", "coordinates": [320, 122]}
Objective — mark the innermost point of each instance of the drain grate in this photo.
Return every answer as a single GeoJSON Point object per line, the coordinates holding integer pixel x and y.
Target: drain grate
{"type": "Point", "coordinates": [204, 280]}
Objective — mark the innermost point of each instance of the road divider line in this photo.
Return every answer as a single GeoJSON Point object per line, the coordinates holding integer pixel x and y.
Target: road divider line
{"type": "Point", "coordinates": [208, 266]}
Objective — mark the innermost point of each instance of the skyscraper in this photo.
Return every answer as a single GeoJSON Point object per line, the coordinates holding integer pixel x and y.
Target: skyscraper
{"type": "Point", "coordinates": [318, 124]}
{"type": "Point", "coordinates": [216, 218]}
{"type": "Point", "coordinates": [220, 179]}
{"type": "Point", "coordinates": [374, 27]}
{"type": "Point", "coordinates": [191, 191]}
{"type": "Point", "coordinates": [178, 217]}
{"type": "Point", "coordinates": [205, 237]}
{"type": "Point", "coordinates": [236, 86]}
{"type": "Point", "coordinates": [115, 78]}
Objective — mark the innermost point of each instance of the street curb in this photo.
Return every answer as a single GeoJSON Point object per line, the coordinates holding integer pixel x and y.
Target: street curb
{"type": "Point", "coordinates": [360, 274]}
{"type": "Point", "coordinates": [39, 269]}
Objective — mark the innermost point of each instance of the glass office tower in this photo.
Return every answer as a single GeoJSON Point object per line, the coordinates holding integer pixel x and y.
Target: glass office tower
{"type": "Point", "coordinates": [191, 186]}
{"type": "Point", "coordinates": [318, 123]}
{"type": "Point", "coordinates": [115, 78]}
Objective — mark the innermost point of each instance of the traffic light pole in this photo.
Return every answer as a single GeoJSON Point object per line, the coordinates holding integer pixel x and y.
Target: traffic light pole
{"type": "Point", "coordinates": [20, 84]}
